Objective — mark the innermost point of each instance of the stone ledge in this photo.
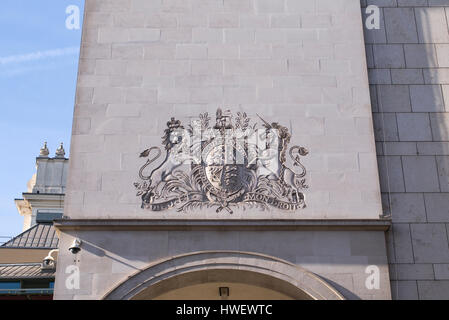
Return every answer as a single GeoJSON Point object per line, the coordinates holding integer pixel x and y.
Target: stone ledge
{"type": "Point", "coordinates": [39, 196]}
{"type": "Point", "coordinates": [223, 225]}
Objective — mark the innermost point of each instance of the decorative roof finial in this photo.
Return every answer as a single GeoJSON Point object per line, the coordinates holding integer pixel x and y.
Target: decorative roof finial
{"type": "Point", "coordinates": [60, 152]}
{"type": "Point", "coordinates": [44, 151]}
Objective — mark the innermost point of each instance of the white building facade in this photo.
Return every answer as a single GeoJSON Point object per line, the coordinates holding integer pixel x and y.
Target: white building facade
{"type": "Point", "coordinates": [155, 221]}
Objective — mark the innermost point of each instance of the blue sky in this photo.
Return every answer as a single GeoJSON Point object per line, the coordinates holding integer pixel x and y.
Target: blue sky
{"type": "Point", "coordinates": [38, 70]}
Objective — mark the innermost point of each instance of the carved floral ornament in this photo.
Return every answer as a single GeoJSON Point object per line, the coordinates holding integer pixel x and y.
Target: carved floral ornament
{"type": "Point", "coordinates": [226, 165]}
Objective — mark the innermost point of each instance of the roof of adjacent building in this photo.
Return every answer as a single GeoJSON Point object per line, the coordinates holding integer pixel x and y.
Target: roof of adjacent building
{"type": "Point", "coordinates": [40, 236]}
{"type": "Point", "coordinates": [25, 271]}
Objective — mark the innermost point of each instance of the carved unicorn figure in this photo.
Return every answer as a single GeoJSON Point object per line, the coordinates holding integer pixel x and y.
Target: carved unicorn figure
{"type": "Point", "coordinates": [274, 160]}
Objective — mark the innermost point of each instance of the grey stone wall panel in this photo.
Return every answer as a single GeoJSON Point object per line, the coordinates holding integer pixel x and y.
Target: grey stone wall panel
{"type": "Point", "coordinates": [421, 29]}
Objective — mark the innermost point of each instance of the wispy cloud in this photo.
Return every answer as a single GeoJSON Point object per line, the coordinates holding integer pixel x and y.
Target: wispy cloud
{"type": "Point", "coordinates": [38, 55]}
{"type": "Point", "coordinates": [19, 69]}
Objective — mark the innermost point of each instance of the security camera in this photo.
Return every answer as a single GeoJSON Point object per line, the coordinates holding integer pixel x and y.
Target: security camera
{"type": "Point", "coordinates": [49, 263]}
{"type": "Point", "coordinates": [76, 246]}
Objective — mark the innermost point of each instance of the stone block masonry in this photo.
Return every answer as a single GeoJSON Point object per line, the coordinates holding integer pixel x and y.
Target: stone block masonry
{"type": "Point", "coordinates": [298, 63]}
{"type": "Point", "coordinates": [408, 67]}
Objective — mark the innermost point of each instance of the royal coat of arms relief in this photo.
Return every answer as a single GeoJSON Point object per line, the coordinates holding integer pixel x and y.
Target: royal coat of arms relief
{"type": "Point", "coordinates": [226, 164]}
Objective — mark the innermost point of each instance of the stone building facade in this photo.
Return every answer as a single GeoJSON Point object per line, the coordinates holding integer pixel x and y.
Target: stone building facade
{"type": "Point", "coordinates": [23, 274]}
{"type": "Point", "coordinates": [408, 61]}
{"type": "Point", "coordinates": [299, 66]}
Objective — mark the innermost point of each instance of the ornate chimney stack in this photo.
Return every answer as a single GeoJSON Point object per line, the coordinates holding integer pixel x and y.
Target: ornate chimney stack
{"type": "Point", "coordinates": [44, 152]}
{"type": "Point", "coordinates": [60, 152]}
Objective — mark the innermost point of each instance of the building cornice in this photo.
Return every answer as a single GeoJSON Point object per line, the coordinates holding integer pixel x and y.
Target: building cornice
{"type": "Point", "coordinates": [222, 225]}
{"type": "Point", "coordinates": [61, 159]}
{"type": "Point", "coordinates": [48, 200]}
{"type": "Point", "coordinates": [23, 207]}
{"type": "Point", "coordinates": [39, 196]}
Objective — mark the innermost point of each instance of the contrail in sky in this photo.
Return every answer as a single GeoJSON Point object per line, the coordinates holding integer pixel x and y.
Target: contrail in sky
{"type": "Point", "coordinates": [39, 55]}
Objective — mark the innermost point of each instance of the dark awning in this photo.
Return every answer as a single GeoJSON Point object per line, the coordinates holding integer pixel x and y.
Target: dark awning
{"type": "Point", "coordinates": [40, 236]}
{"type": "Point", "coordinates": [24, 271]}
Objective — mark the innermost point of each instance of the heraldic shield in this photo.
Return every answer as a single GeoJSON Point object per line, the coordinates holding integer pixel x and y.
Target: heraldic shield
{"type": "Point", "coordinates": [227, 165]}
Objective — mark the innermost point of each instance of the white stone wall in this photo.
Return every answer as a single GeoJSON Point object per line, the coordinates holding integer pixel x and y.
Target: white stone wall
{"type": "Point", "coordinates": [109, 257]}
{"type": "Point", "coordinates": [408, 60]}
{"type": "Point", "coordinates": [297, 62]}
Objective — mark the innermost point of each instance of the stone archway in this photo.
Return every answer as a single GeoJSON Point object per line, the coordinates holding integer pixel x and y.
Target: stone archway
{"type": "Point", "coordinates": [243, 268]}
